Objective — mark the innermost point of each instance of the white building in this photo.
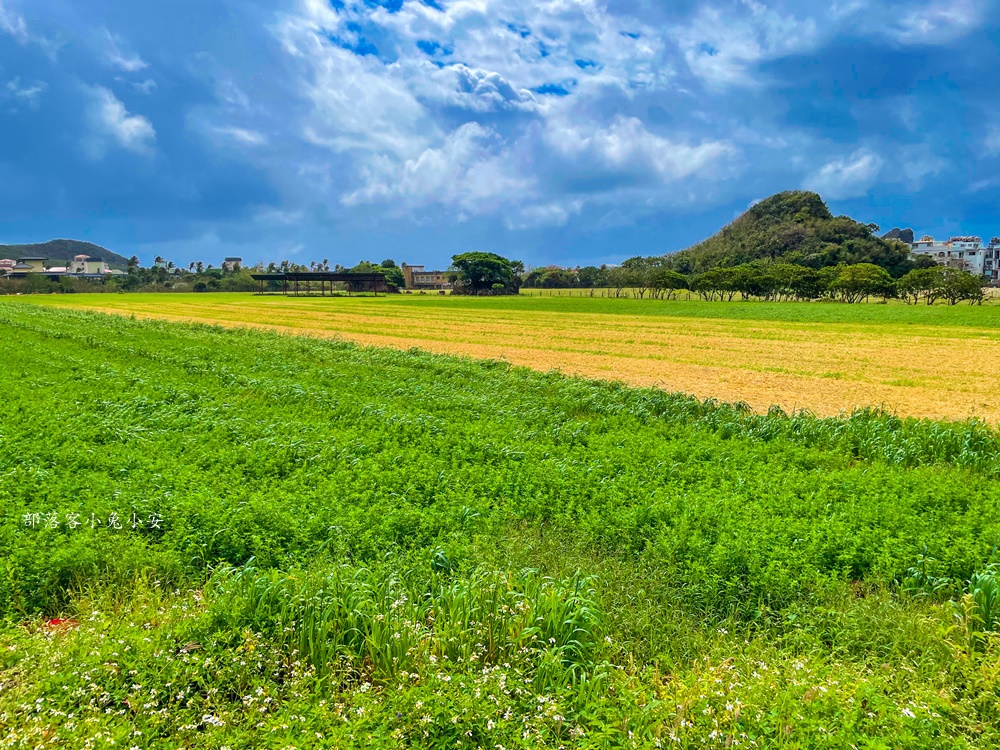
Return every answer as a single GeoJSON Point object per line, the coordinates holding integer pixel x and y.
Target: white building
{"type": "Point", "coordinates": [991, 262]}
{"type": "Point", "coordinates": [232, 264]}
{"type": "Point", "coordinates": [965, 253]}
{"type": "Point", "coordinates": [86, 264]}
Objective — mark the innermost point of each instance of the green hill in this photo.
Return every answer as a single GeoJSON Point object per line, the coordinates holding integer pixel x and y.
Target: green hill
{"type": "Point", "coordinates": [60, 252]}
{"type": "Point", "coordinates": [794, 227]}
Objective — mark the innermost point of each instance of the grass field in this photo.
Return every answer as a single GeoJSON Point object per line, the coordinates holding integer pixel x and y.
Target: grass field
{"type": "Point", "coordinates": [935, 362]}
{"type": "Point", "coordinates": [222, 538]}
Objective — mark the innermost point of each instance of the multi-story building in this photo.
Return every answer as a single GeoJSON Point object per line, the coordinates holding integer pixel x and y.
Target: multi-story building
{"type": "Point", "coordinates": [37, 264]}
{"type": "Point", "coordinates": [6, 265]}
{"type": "Point", "coordinates": [964, 253]}
{"type": "Point", "coordinates": [418, 278]}
{"type": "Point", "coordinates": [991, 261]}
{"type": "Point", "coordinates": [87, 264]}
{"type": "Point", "coordinates": [232, 264]}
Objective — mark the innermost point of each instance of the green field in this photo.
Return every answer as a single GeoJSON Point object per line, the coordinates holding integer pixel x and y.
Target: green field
{"type": "Point", "coordinates": [934, 362]}
{"type": "Point", "coordinates": [255, 540]}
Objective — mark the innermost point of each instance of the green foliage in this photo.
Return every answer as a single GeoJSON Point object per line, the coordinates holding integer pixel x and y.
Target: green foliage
{"type": "Point", "coordinates": [940, 282]}
{"type": "Point", "coordinates": [479, 272]}
{"type": "Point", "coordinates": [393, 274]}
{"type": "Point", "coordinates": [794, 227]}
{"type": "Point", "coordinates": [984, 588]}
{"type": "Point", "coordinates": [921, 283]}
{"type": "Point", "coordinates": [354, 622]}
{"type": "Point", "coordinates": [957, 285]}
{"type": "Point", "coordinates": [39, 284]}
{"type": "Point", "coordinates": [861, 281]}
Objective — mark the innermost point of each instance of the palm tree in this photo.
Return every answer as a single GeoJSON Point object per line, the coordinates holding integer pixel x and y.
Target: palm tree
{"type": "Point", "coordinates": [199, 266]}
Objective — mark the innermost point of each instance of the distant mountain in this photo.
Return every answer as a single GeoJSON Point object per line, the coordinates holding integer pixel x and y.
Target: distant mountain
{"type": "Point", "coordinates": [61, 252]}
{"type": "Point", "coordinates": [903, 235]}
{"type": "Point", "coordinates": [794, 227]}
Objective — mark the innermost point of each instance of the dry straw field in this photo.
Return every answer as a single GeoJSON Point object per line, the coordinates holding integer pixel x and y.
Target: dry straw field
{"type": "Point", "coordinates": [936, 362]}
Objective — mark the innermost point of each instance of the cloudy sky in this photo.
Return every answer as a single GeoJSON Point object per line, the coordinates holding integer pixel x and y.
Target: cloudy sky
{"type": "Point", "coordinates": [554, 131]}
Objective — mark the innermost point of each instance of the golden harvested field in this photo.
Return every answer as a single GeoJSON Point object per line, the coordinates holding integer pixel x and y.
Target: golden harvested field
{"type": "Point", "coordinates": [939, 363]}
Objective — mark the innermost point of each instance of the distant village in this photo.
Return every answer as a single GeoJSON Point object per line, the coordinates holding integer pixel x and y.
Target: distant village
{"type": "Point", "coordinates": [94, 268]}
{"type": "Point", "coordinates": [966, 253]}
{"type": "Point", "coordinates": [82, 266]}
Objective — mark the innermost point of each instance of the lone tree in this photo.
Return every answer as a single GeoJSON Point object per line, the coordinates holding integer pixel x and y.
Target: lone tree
{"type": "Point", "coordinates": [479, 272]}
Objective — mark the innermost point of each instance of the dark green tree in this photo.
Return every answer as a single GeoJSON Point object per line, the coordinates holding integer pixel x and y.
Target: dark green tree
{"type": "Point", "coordinates": [921, 283]}
{"type": "Point", "coordinates": [958, 286]}
{"type": "Point", "coordinates": [860, 281]}
{"type": "Point", "coordinates": [477, 272]}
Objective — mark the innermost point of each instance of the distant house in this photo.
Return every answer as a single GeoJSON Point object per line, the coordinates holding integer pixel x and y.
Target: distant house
{"type": "Point", "coordinates": [87, 264]}
{"type": "Point", "coordinates": [34, 264]}
{"type": "Point", "coordinates": [6, 265]}
{"type": "Point", "coordinates": [417, 277]}
{"type": "Point", "coordinates": [232, 264]}
{"type": "Point", "coordinates": [991, 262]}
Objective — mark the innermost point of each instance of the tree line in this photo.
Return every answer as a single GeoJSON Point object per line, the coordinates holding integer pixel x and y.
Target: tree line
{"type": "Point", "coordinates": [479, 273]}
{"type": "Point", "coordinates": [856, 282]}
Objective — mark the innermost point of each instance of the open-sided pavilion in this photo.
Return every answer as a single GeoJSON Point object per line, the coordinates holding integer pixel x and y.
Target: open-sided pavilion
{"type": "Point", "coordinates": [304, 283]}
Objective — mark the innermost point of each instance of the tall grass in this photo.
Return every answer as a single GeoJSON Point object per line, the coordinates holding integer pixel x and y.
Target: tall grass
{"type": "Point", "coordinates": [353, 623]}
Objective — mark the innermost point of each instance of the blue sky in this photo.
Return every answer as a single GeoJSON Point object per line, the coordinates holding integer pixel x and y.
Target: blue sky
{"type": "Point", "coordinates": [554, 131]}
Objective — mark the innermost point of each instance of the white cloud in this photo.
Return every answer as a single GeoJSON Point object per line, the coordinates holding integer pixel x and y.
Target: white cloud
{"type": "Point", "coordinates": [937, 22]}
{"type": "Point", "coordinates": [27, 94]}
{"type": "Point", "coordinates": [911, 22]}
{"type": "Point", "coordinates": [482, 90]}
{"type": "Point", "coordinates": [355, 103]}
{"type": "Point", "coordinates": [110, 121]}
{"type": "Point", "coordinates": [116, 56]}
{"type": "Point", "coordinates": [721, 47]}
{"type": "Point", "coordinates": [980, 185]}
{"type": "Point", "coordinates": [541, 111]}
{"type": "Point", "coordinates": [145, 87]}
{"type": "Point", "coordinates": [468, 173]}
{"type": "Point", "coordinates": [13, 23]}
{"type": "Point", "coordinates": [242, 136]}
{"type": "Point", "coordinates": [417, 126]}
{"type": "Point", "coordinates": [992, 141]}
{"type": "Point", "coordinates": [532, 42]}
{"type": "Point", "coordinates": [627, 148]}
{"type": "Point", "coordinates": [847, 177]}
